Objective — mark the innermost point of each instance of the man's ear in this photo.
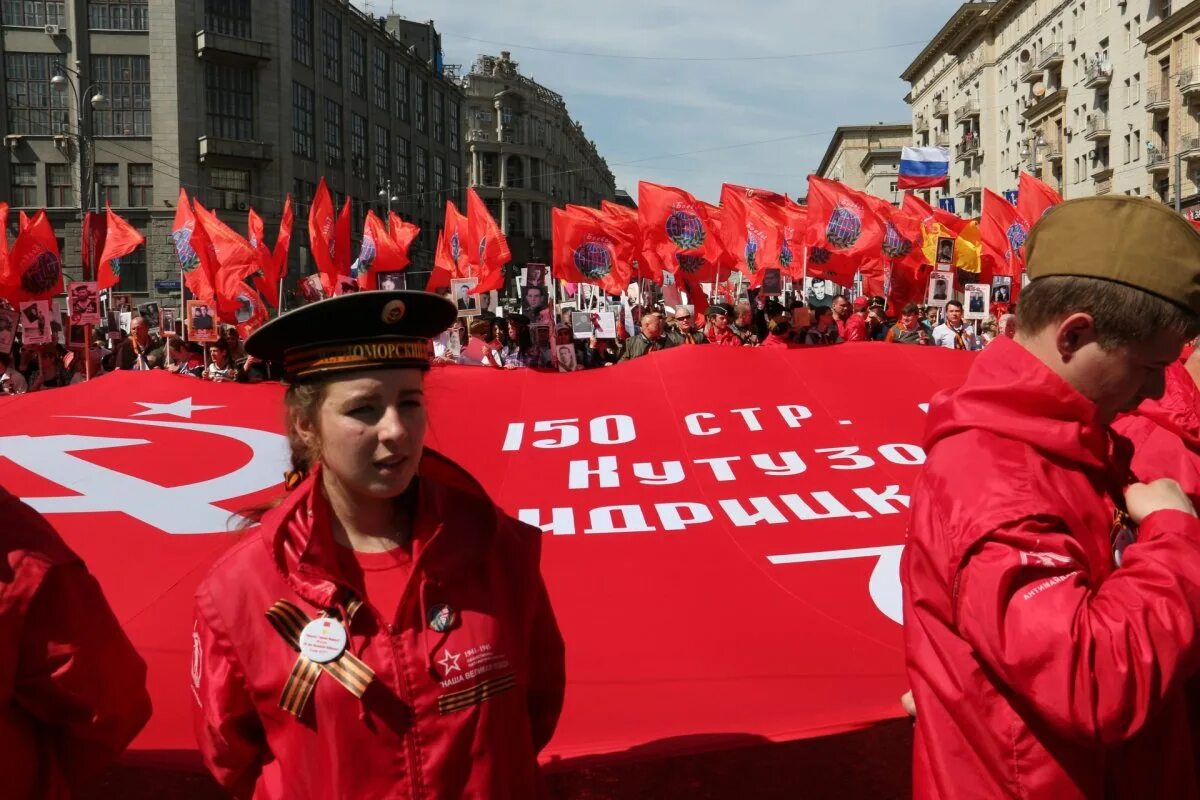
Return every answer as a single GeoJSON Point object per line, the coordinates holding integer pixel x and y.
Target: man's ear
{"type": "Point", "coordinates": [1074, 333]}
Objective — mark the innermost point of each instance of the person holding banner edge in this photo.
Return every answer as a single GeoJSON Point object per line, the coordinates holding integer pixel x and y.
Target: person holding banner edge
{"type": "Point", "coordinates": [385, 631]}
{"type": "Point", "coordinates": [1051, 603]}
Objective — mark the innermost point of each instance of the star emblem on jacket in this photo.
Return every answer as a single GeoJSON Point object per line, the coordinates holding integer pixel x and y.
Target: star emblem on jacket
{"type": "Point", "coordinates": [449, 662]}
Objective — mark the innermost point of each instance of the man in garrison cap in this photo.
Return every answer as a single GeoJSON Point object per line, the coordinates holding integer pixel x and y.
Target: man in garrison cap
{"type": "Point", "coordinates": [1051, 604]}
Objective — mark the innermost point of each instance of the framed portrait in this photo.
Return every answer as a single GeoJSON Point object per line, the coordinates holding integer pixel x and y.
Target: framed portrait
{"type": "Point", "coordinates": [114, 325]}
{"type": "Point", "coordinates": [581, 324]}
{"type": "Point", "coordinates": [941, 286]}
{"type": "Point", "coordinates": [120, 302]}
{"type": "Point", "coordinates": [976, 303]}
{"type": "Point", "coordinates": [489, 302]}
{"type": "Point", "coordinates": [77, 336]}
{"type": "Point", "coordinates": [818, 292]}
{"type": "Point", "coordinates": [83, 302]}
{"type": "Point", "coordinates": [772, 283]}
{"type": "Point", "coordinates": [201, 322]}
{"type": "Point", "coordinates": [9, 320]}
{"type": "Point", "coordinates": [389, 281]}
{"type": "Point", "coordinates": [125, 321]}
{"type": "Point", "coordinates": [35, 322]}
{"type": "Point", "coordinates": [311, 289]}
{"type": "Point", "coordinates": [535, 274]}
{"type": "Point", "coordinates": [1001, 288]}
{"type": "Point", "coordinates": [945, 251]}
{"type": "Point", "coordinates": [170, 316]}
{"type": "Point", "coordinates": [150, 313]}
{"type": "Point", "coordinates": [564, 356]}
{"type": "Point", "coordinates": [460, 292]}
{"type": "Point", "coordinates": [534, 299]}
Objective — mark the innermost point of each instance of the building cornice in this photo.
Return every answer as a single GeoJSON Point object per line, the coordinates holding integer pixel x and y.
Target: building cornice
{"type": "Point", "coordinates": [839, 135]}
{"type": "Point", "coordinates": [963, 22]}
{"type": "Point", "coordinates": [1170, 25]}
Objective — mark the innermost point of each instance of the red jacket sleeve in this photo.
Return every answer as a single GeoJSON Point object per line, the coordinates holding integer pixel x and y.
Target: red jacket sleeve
{"type": "Point", "coordinates": [1093, 661]}
{"type": "Point", "coordinates": [78, 674]}
{"type": "Point", "coordinates": [856, 329]}
{"type": "Point", "coordinates": [548, 678]}
{"type": "Point", "coordinates": [228, 730]}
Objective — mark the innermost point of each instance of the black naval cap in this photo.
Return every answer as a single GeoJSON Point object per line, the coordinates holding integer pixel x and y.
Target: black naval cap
{"type": "Point", "coordinates": [719, 308]}
{"type": "Point", "coordinates": [362, 330]}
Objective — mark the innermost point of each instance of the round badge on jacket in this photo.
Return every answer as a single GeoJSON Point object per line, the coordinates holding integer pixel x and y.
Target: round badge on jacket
{"type": "Point", "coordinates": [322, 640]}
{"type": "Point", "coordinates": [441, 618]}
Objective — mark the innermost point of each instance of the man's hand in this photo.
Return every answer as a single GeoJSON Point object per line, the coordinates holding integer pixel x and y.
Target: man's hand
{"type": "Point", "coordinates": [910, 707]}
{"type": "Point", "coordinates": [1143, 499]}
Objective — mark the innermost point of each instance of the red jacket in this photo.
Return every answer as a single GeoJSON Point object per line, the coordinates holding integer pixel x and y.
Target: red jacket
{"type": "Point", "coordinates": [1040, 669]}
{"type": "Point", "coordinates": [72, 688]}
{"type": "Point", "coordinates": [856, 328]}
{"type": "Point", "coordinates": [498, 672]}
{"type": "Point", "coordinates": [1165, 433]}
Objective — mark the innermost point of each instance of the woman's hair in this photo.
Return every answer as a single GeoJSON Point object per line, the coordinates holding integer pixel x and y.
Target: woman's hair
{"type": "Point", "coordinates": [779, 326]}
{"type": "Point", "coordinates": [220, 344]}
{"type": "Point", "coordinates": [481, 327]}
{"type": "Point", "coordinates": [911, 308]}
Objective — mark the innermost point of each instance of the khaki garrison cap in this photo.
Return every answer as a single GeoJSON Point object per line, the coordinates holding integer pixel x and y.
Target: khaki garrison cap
{"type": "Point", "coordinates": [1129, 240]}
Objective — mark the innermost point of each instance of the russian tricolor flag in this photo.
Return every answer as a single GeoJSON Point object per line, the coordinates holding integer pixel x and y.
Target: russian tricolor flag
{"type": "Point", "coordinates": [924, 167]}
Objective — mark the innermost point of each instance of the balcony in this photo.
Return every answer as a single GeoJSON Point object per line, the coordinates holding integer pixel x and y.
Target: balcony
{"type": "Point", "coordinates": [968, 110]}
{"type": "Point", "coordinates": [1189, 82]}
{"type": "Point", "coordinates": [233, 150]}
{"type": "Point", "coordinates": [1051, 56]}
{"type": "Point", "coordinates": [1097, 75]}
{"type": "Point", "coordinates": [968, 148]}
{"type": "Point", "coordinates": [941, 108]}
{"type": "Point", "coordinates": [1097, 127]}
{"type": "Point", "coordinates": [1158, 161]}
{"type": "Point", "coordinates": [920, 123]}
{"type": "Point", "coordinates": [968, 185]}
{"type": "Point", "coordinates": [1030, 72]}
{"type": "Point", "coordinates": [1189, 148]}
{"type": "Point", "coordinates": [1101, 170]}
{"type": "Point", "coordinates": [1158, 99]}
{"type": "Point", "coordinates": [1042, 107]}
{"type": "Point", "coordinates": [941, 138]}
{"type": "Point", "coordinates": [231, 49]}
{"type": "Point", "coordinates": [1053, 152]}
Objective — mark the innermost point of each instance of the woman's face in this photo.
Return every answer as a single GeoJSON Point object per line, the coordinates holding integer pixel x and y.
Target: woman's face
{"type": "Point", "coordinates": [371, 427]}
{"type": "Point", "coordinates": [720, 321]}
{"type": "Point", "coordinates": [217, 355]}
{"type": "Point", "coordinates": [514, 332]}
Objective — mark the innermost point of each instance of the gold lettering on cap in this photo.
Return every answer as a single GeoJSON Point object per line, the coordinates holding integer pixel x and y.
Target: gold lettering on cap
{"type": "Point", "coordinates": [393, 312]}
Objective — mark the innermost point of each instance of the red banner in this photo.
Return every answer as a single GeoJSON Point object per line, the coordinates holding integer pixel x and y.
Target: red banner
{"type": "Point", "coordinates": [723, 564]}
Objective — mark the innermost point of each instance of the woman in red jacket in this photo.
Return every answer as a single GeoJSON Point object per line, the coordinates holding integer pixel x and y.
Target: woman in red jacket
{"type": "Point", "coordinates": [385, 632]}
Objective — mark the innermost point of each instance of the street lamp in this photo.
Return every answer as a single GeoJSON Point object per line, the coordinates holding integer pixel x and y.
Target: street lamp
{"type": "Point", "coordinates": [61, 82]}
{"type": "Point", "coordinates": [386, 196]}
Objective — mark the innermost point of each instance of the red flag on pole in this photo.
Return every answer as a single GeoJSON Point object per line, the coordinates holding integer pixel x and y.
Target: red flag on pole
{"type": "Point", "coordinates": [589, 248]}
{"type": "Point", "coordinates": [451, 254]}
{"type": "Point", "coordinates": [403, 234]}
{"type": "Point", "coordinates": [675, 224]}
{"type": "Point", "coordinates": [490, 247]}
{"type": "Point", "coordinates": [322, 236]}
{"type": "Point", "coordinates": [794, 218]}
{"type": "Point", "coordinates": [226, 255]}
{"type": "Point", "coordinates": [3, 235]}
{"type": "Point", "coordinates": [119, 240]}
{"type": "Point", "coordinates": [379, 253]}
{"type": "Point", "coordinates": [1034, 198]}
{"type": "Point", "coordinates": [1003, 231]}
{"type": "Point", "coordinates": [271, 263]}
{"type": "Point", "coordinates": [751, 229]}
{"type": "Point", "coordinates": [188, 243]}
{"type": "Point", "coordinates": [34, 267]}
{"type": "Point", "coordinates": [440, 277]}
{"type": "Point", "coordinates": [843, 232]}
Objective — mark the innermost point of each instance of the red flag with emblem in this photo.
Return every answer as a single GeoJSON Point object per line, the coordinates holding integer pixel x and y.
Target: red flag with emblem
{"type": "Point", "coordinates": [188, 242]}
{"type": "Point", "coordinates": [257, 239]}
{"type": "Point", "coordinates": [751, 229]}
{"type": "Point", "coordinates": [589, 248]}
{"type": "Point", "coordinates": [279, 256]}
{"type": "Point", "coordinates": [323, 235]}
{"type": "Point", "coordinates": [488, 245]}
{"type": "Point", "coordinates": [34, 267]}
{"type": "Point", "coordinates": [230, 258]}
{"type": "Point", "coordinates": [902, 240]}
{"type": "Point", "coordinates": [451, 254]}
{"type": "Point", "coordinates": [120, 239]}
{"type": "Point", "coordinates": [844, 234]}
{"type": "Point", "coordinates": [246, 312]}
{"type": "Point", "coordinates": [794, 219]}
{"type": "Point", "coordinates": [674, 223]}
{"type": "Point", "coordinates": [1034, 198]}
{"type": "Point", "coordinates": [379, 253]}
{"type": "Point", "coordinates": [1003, 231]}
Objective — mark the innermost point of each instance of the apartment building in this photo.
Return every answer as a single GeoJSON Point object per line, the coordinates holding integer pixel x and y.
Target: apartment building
{"type": "Point", "coordinates": [867, 157]}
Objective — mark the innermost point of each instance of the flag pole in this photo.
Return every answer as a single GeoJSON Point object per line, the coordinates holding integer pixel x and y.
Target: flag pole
{"type": "Point", "coordinates": [87, 352]}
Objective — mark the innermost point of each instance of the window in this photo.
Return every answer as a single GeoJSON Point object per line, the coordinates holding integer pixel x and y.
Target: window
{"type": "Point", "coordinates": [453, 125]}
{"type": "Point", "coordinates": [229, 17]}
{"type": "Point", "coordinates": [141, 185]}
{"type": "Point", "coordinates": [229, 101]}
{"type": "Point", "coordinates": [119, 15]}
{"type": "Point", "coordinates": [331, 46]}
{"type": "Point", "coordinates": [400, 79]}
{"type": "Point", "coordinates": [109, 178]}
{"type": "Point", "coordinates": [439, 177]}
{"type": "Point", "coordinates": [302, 31]}
{"type": "Point", "coordinates": [125, 81]}
{"type": "Point", "coordinates": [230, 188]}
{"type": "Point", "coordinates": [455, 186]}
{"type": "Point", "coordinates": [131, 269]}
{"type": "Point", "coordinates": [1128, 143]}
{"type": "Point", "coordinates": [419, 99]}
{"type": "Point", "coordinates": [358, 63]}
{"type": "Point", "coordinates": [33, 107]}
{"type": "Point", "coordinates": [422, 171]}
{"type": "Point", "coordinates": [358, 145]}
{"type": "Point", "coordinates": [1137, 145]}
{"type": "Point", "coordinates": [59, 193]}
{"type": "Point", "coordinates": [382, 99]}
{"type": "Point", "coordinates": [383, 155]}
{"type": "Point", "coordinates": [34, 13]}
{"type": "Point", "coordinates": [439, 116]}
{"type": "Point", "coordinates": [401, 170]}
{"type": "Point", "coordinates": [333, 133]}
{"type": "Point", "coordinates": [303, 121]}
{"type": "Point", "coordinates": [24, 185]}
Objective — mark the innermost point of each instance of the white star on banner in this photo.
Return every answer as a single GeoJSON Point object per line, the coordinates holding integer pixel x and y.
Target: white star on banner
{"type": "Point", "coordinates": [180, 408]}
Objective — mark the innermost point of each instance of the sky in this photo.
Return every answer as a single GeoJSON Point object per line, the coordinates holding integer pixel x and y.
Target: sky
{"type": "Point", "coordinates": [758, 121]}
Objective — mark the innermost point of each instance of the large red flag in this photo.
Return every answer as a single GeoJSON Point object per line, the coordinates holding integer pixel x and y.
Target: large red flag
{"type": "Point", "coordinates": [1034, 198]}
{"type": "Point", "coordinates": [403, 234]}
{"type": "Point", "coordinates": [440, 276]}
{"type": "Point", "coordinates": [588, 248]}
{"type": "Point", "coordinates": [752, 229]}
{"type": "Point", "coordinates": [22, 221]}
{"type": "Point", "coordinates": [451, 254]}
{"type": "Point", "coordinates": [794, 219]}
{"type": "Point", "coordinates": [271, 263]}
{"type": "Point", "coordinates": [188, 243]}
{"type": "Point", "coordinates": [227, 256]}
{"type": "Point", "coordinates": [844, 235]}
{"type": "Point", "coordinates": [247, 312]}
{"type": "Point", "coordinates": [902, 239]}
{"type": "Point", "coordinates": [3, 235]}
{"type": "Point", "coordinates": [927, 214]}
{"type": "Point", "coordinates": [1003, 232]}
{"type": "Point", "coordinates": [120, 239]}
{"type": "Point", "coordinates": [322, 236]}
{"type": "Point", "coordinates": [379, 253]}
{"type": "Point", "coordinates": [34, 267]}
{"type": "Point", "coordinates": [257, 239]}
{"type": "Point", "coordinates": [673, 224]}
{"type": "Point", "coordinates": [489, 246]}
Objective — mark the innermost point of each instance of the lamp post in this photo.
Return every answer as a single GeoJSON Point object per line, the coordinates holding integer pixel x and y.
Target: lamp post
{"type": "Point", "coordinates": [386, 196]}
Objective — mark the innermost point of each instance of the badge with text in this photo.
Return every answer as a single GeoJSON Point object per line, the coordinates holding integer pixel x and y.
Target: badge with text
{"type": "Point", "coordinates": [322, 640]}
{"type": "Point", "coordinates": [441, 618]}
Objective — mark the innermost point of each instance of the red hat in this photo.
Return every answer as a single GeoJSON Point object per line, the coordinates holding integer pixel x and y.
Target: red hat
{"type": "Point", "coordinates": [861, 303]}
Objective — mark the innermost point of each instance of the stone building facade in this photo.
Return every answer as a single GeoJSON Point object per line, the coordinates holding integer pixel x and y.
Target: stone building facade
{"type": "Point", "coordinates": [526, 154]}
{"type": "Point", "coordinates": [866, 157]}
{"type": "Point", "coordinates": [239, 103]}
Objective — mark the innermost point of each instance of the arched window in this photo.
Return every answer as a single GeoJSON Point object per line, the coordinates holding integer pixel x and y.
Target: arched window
{"type": "Point", "coordinates": [516, 220]}
{"type": "Point", "coordinates": [514, 172]}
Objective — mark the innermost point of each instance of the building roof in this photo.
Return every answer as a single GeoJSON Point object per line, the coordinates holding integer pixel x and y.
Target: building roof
{"type": "Point", "coordinates": [961, 22]}
{"type": "Point", "coordinates": [840, 134]}
{"type": "Point", "coordinates": [623, 198]}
